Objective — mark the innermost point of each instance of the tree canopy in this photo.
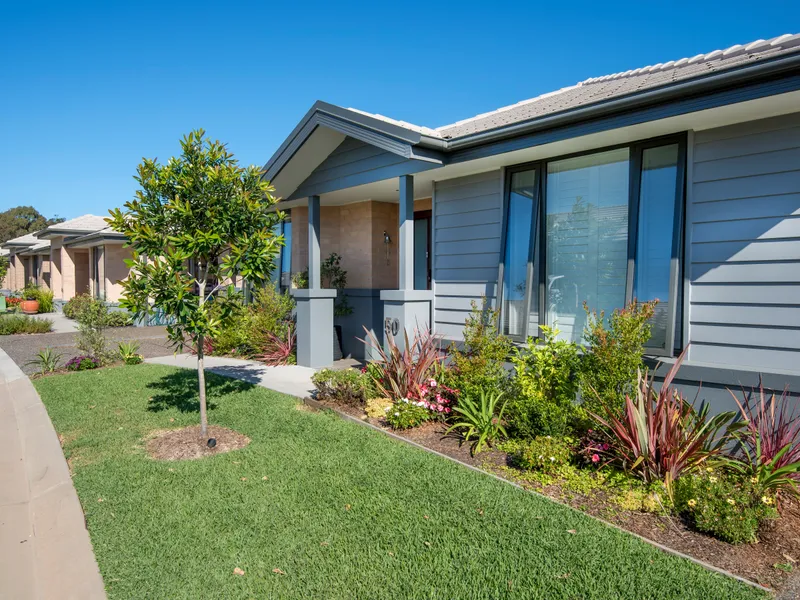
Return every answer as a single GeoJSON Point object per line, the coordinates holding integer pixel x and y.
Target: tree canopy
{"type": "Point", "coordinates": [20, 220]}
{"type": "Point", "coordinates": [197, 223]}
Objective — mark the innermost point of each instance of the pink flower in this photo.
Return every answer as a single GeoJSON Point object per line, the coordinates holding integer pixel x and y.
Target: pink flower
{"type": "Point", "coordinates": [433, 383]}
{"type": "Point", "coordinates": [595, 458]}
{"type": "Point", "coordinates": [439, 408]}
{"type": "Point", "coordinates": [447, 410]}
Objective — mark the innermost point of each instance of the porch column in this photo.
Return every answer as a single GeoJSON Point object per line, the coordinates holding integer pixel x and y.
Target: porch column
{"type": "Point", "coordinates": [314, 305]}
{"type": "Point", "coordinates": [405, 308]}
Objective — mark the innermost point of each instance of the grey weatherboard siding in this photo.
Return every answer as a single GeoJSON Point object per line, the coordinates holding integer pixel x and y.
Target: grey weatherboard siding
{"type": "Point", "coordinates": [468, 216]}
{"type": "Point", "coordinates": [355, 163]}
{"type": "Point", "coordinates": [743, 228]}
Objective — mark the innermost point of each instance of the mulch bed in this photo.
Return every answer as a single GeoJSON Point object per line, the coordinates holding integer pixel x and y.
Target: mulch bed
{"type": "Point", "coordinates": [186, 443]}
{"type": "Point", "coordinates": [780, 540]}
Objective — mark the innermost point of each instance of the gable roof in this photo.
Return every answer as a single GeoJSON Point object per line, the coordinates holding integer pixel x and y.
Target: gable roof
{"type": "Point", "coordinates": [79, 225]}
{"type": "Point", "coordinates": [616, 85]}
{"type": "Point", "coordinates": [29, 239]}
{"type": "Point", "coordinates": [742, 67]}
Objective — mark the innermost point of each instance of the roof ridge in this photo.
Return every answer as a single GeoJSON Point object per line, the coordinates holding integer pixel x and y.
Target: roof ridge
{"type": "Point", "coordinates": [406, 124]}
{"type": "Point", "coordinates": [505, 108]}
{"type": "Point", "coordinates": [787, 40]}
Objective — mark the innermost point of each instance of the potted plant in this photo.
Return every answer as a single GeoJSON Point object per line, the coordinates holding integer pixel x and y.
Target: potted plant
{"type": "Point", "coordinates": [30, 302]}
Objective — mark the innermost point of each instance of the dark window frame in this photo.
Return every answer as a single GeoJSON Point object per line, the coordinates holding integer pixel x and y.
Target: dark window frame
{"type": "Point", "coordinates": [537, 251]}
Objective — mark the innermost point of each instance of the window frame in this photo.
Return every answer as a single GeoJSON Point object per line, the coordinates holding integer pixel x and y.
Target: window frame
{"type": "Point", "coordinates": [537, 250]}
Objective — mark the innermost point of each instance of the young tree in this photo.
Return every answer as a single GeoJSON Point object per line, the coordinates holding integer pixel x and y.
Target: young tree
{"type": "Point", "coordinates": [200, 208]}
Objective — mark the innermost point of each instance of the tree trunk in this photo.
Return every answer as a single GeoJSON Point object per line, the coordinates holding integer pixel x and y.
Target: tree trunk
{"type": "Point", "coordinates": [201, 384]}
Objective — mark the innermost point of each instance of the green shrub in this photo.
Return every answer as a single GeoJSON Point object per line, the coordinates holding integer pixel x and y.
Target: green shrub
{"type": "Point", "coordinates": [129, 353]}
{"type": "Point", "coordinates": [92, 322]}
{"type": "Point", "coordinates": [75, 305]}
{"type": "Point", "coordinates": [378, 407]}
{"type": "Point", "coordinates": [544, 453]}
{"type": "Point", "coordinates": [118, 318]}
{"type": "Point", "coordinates": [347, 386]}
{"type": "Point", "coordinates": [727, 506]}
{"type": "Point", "coordinates": [13, 324]}
{"type": "Point", "coordinates": [613, 354]}
{"type": "Point", "coordinates": [480, 364]}
{"type": "Point", "coordinates": [405, 414]}
{"type": "Point", "coordinates": [545, 387]}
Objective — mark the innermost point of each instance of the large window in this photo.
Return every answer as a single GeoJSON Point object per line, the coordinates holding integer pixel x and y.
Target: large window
{"type": "Point", "coordinates": [601, 228]}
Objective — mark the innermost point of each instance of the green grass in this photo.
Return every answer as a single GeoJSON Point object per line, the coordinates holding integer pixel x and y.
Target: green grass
{"type": "Point", "coordinates": [178, 530]}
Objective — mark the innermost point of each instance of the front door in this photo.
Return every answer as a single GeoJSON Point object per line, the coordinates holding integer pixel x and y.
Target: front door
{"type": "Point", "coordinates": [422, 250]}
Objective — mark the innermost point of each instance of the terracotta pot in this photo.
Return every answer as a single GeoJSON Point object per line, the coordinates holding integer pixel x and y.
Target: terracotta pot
{"type": "Point", "coordinates": [29, 307]}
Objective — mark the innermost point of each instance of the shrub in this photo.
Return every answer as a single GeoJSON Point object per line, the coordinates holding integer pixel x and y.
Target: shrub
{"type": "Point", "coordinates": [46, 361]}
{"type": "Point", "coordinates": [129, 353]}
{"type": "Point", "coordinates": [660, 435]}
{"type": "Point", "coordinates": [332, 276]}
{"type": "Point", "coordinates": [347, 386]}
{"type": "Point", "coordinates": [727, 506]}
{"type": "Point", "coordinates": [280, 350]}
{"type": "Point", "coordinates": [544, 402]}
{"type": "Point", "coordinates": [13, 324]}
{"type": "Point", "coordinates": [91, 339]}
{"type": "Point", "coordinates": [377, 408]}
{"type": "Point", "coordinates": [405, 414]}
{"type": "Point", "coordinates": [613, 354]}
{"type": "Point", "coordinates": [82, 363]}
{"type": "Point", "coordinates": [769, 439]}
{"type": "Point", "coordinates": [118, 318]}
{"type": "Point", "coordinates": [76, 304]}
{"type": "Point", "coordinates": [544, 453]}
{"type": "Point", "coordinates": [591, 448]}
{"type": "Point", "coordinates": [480, 365]}
{"type": "Point", "coordinates": [401, 374]}
{"type": "Point", "coordinates": [482, 420]}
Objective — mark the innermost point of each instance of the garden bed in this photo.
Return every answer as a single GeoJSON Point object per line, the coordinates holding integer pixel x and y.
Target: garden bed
{"type": "Point", "coordinates": [768, 563]}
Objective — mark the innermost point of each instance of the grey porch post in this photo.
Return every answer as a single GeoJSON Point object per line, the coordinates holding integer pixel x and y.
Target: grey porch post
{"type": "Point", "coordinates": [406, 308]}
{"type": "Point", "coordinates": [314, 305]}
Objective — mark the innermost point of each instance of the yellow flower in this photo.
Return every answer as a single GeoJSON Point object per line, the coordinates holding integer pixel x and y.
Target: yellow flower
{"type": "Point", "coordinates": [767, 500]}
{"type": "Point", "coordinates": [731, 501]}
{"type": "Point", "coordinates": [709, 469]}
{"type": "Point", "coordinates": [712, 479]}
{"type": "Point", "coordinates": [692, 503]}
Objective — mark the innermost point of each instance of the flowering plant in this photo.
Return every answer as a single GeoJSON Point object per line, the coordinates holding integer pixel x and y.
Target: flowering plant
{"type": "Point", "coordinates": [593, 449]}
{"type": "Point", "coordinates": [82, 363]}
{"type": "Point", "coordinates": [436, 397]}
{"type": "Point", "coordinates": [728, 506]}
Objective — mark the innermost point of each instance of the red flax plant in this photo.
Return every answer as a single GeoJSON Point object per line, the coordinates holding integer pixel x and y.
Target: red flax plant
{"type": "Point", "coordinates": [404, 374]}
{"type": "Point", "coordinates": [279, 349]}
{"type": "Point", "coordinates": [769, 439]}
{"type": "Point", "coordinates": [660, 435]}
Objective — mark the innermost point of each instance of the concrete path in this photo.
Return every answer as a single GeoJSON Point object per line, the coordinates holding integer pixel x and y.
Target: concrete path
{"type": "Point", "coordinates": [290, 379]}
{"type": "Point", "coordinates": [61, 324]}
{"type": "Point", "coordinates": [45, 552]}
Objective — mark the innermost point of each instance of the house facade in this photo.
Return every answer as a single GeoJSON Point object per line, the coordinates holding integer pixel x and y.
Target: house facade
{"type": "Point", "coordinates": [678, 182]}
{"type": "Point", "coordinates": [79, 256]}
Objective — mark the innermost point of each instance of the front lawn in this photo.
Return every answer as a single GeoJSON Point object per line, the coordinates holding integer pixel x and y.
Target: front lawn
{"type": "Point", "coordinates": [344, 511]}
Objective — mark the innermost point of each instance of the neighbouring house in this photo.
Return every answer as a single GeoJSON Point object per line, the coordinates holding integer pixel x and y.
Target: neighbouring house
{"type": "Point", "coordinates": [678, 181]}
{"type": "Point", "coordinates": [29, 262]}
{"type": "Point", "coordinates": [86, 257]}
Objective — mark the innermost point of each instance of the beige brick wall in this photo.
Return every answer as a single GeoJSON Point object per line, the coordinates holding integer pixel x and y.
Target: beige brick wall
{"type": "Point", "coordinates": [115, 270]}
{"type": "Point", "coordinates": [356, 232]}
{"type": "Point", "coordinates": [19, 272]}
{"type": "Point", "coordinates": [55, 268]}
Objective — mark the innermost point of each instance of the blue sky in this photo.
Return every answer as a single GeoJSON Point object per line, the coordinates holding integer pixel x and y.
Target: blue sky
{"type": "Point", "coordinates": [87, 89]}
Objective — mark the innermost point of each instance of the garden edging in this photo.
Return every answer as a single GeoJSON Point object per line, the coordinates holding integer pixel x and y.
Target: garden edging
{"type": "Point", "coordinates": [45, 550]}
{"type": "Point", "coordinates": [319, 406]}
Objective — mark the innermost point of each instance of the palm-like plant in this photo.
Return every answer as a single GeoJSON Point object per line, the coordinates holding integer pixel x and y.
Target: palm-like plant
{"type": "Point", "coordinates": [280, 349]}
{"type": "Point", "coordinates": [47, 361]}
{"type": "Point", "coordinates": [659, 434]}
{"type": "Point", "coordinates": [403, 373]}
{"type": "Point", "coordinates": [770, 429]}
{"type": "Point", "coordinates": [482, 420]}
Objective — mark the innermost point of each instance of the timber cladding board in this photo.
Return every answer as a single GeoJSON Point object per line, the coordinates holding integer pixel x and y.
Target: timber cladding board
{"type": "Point", "coordinates": [744, 266]}
{"type": "Point", "coordinates": [467, 245]}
